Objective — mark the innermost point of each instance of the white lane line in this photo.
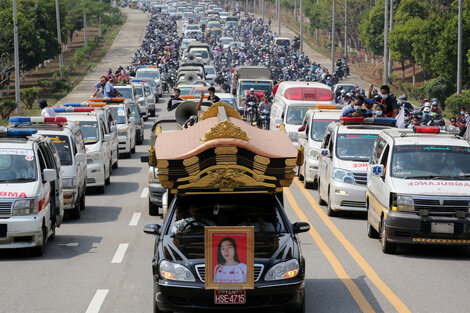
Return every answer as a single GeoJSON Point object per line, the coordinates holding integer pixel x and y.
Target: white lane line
{"type": "Point", "coordinates": [145, 192]}
{"type": "Point", "coordinates": [120, 252]}
{"type": "Point", "coordinates": [97, 301]}
{"type": "Point", "coordinates": [135, 219]}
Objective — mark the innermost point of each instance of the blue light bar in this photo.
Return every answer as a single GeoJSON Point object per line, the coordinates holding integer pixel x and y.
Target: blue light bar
{"type": "Point", "coordinates": [137, 80]}
{"type": "Point", "coordinates": [18, 120]}
{"type": "Point", "coordinates": [17, 132]}
{"type": "Point", "coordinates": [60, 110]}
{"type": "Point", "coordinates": [384, 120]}
{"type": "Point", "coordinates": [75, 105]}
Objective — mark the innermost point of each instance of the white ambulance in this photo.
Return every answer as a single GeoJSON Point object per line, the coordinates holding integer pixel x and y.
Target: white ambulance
{"type": "Point", "coordinates": [31, 198]}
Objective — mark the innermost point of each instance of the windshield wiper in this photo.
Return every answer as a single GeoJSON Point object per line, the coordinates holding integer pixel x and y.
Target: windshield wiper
{"type": "Point", "coordinates": [90, 143]}
{"type": "Point", "coordinates": [16, 180]}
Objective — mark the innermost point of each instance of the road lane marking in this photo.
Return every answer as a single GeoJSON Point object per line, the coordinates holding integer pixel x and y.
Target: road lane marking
{"type": "Point", "coordinates": [353, 289]}
{"type": "Point", "coordinates": [97, 301]}
{"type": "Point", "coordinates": [368, 270]}
{"type": "Point", "coordinates": [145, 192]}
{"type": "Point", "coordinates": [135, 219]}
{"type": "Point", "coordinates": [120, 252]}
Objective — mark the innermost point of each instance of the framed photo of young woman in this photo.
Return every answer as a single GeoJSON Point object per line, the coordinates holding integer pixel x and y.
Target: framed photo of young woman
{"type": "Point", "coordinates": [229, 254]}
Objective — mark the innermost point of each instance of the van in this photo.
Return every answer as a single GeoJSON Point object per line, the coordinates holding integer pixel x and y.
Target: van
{"type": "Point", "coordinates": [282, 42]}
{"type": "Point", "coordinates": [146, 72]}
{"type": "Point", "coordinates": [126, 128]}
{"type": "Point", "coordinates": [293, 100]}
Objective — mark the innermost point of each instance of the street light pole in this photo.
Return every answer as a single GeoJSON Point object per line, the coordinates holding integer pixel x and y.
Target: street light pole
{"type": "Point", "coordinates": [262, 9]}
{"type": "Point", "coordinates": [101, 26]}
{"type": "Point", "coordinates": [390, 62]}
{"type": "Point", "coordinates": [84, 26]}
{"type": "Point", "coordinates": [346, 29]}
{"type": "Point", "coordinates": [301, 41]}
{"type": "Point", "coordinates": [295, 11]}
{"type": "Point", "coordinates": [333, 26]}
{"type": "Point", "coordinates": [59, 39]}
{"type": "Point", "coordinates": [459, 50]}
{"type": "Point", "coordinates": [279, 17]}
{"type": "Point", "coordinates": [385, 78]}
{"type": "Point", "coordinates": [17, 59]}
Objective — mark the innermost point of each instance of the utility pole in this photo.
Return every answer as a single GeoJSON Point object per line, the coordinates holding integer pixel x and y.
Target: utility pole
{"type": "Point", "coordinates": [295, 11]}
{"type": "Point", "coordinates": [316, 30]}
{"type": "Point", "coordinates": [346, 29]}
{"type": "Point", "coordinates": [459, 50]}
{"type": "Point", "coordinates": [101, 26]}
{"type": "Point", "coordinates": [301, 41]}
{"type": "Point", "coordinates": [279, 17]}
{"type": "Point", "coordinates": [59, 38]}
{"type": "Point", "coordinates": [262, 9]}
{"type": "Point", "coordinates": [333, 26]}
{"type": "Point", "coordinates": [84, 25]}
{"type": "Point", "coordinates": [390, 62]}
{"type": "Point", "coordinates": [246, 6]}
{"type": "Point", "coordinates": [385, 78]}
{"type": "Point", "coordinates": [17, 59]}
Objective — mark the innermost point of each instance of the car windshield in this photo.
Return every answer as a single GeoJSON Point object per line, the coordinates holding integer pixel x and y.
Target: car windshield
{"type": "Point", "coordinates": [191, 216]}
{"type": "Point", "coordinates": [136, 114]}
{"type": "Point", "coordinates": [319, 129]}
{"type": "Point", "coordinates": [89, 131]}
{"type": "Point", "coordinates": [62, 145]}
{"type": "Point", "coordinates": [431, 162]}
{"type": "Point", "coordinates": [17, 165]}
{"type": "Point", "coordinates": [138, 91]}
{"type": "Point", "coordinates": [202, 52]}
{"type": "Point", "coordinates": [295, 114]}
{"type": "Point", "coordinates": [283, 42]}
{"type": "Point", "coordinates": [244, 86]}
{"type": "Point", "coordinates": [119, 115]}
{"type": "Point", "coordinates": [148, 74]}
{"type": "Point", "coordinates": [355, 147]}
{"type": "Point", "coordinates": [126, 92]}
{"type": "Point", "coordinates": [209, 70]}
{"type": "Point", "coordinates": [192, 27]}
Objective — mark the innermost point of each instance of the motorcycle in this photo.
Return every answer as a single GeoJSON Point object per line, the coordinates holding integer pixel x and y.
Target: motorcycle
{"type": "Point", "coordinates": [251, 112]}
{"type": "Point", "coordinates": [264, 119]}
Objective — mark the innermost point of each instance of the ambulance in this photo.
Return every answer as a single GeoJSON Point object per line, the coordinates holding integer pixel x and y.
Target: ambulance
{"type": "Point", "coordinates": [68, 141]}
{"type": "Point", "coordinates": [418, 188]}
{"type": "Point", "coordinates": [97, 144]}
{"type": "Point", "coordinates": [126, 128]}
{"type": "Point", "coordinates": [346, 151]}
{"type": "Point", "coordinates": [31, 198]}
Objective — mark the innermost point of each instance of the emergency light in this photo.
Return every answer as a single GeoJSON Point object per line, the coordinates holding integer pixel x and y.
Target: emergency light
{"type": "Point", "coordinates": [73, 110]}
{"type": "Point", "coordinates": [138, 81]}
{"type": "Point", "coordinates": [76, 105]}
{"type": "Point", "coordinates": [426, 129]}
{"type": "Point", "coordinates": [97, 105]}
{"type": "Point", "coordinates": [4, 132]}
{"type": "Point", "coordinates": [147, 66]}
{"type": "Point", "coordinates": [106, 99]}
{"type": "Point", "coordinates": [17, 120]}
{"type": "Point", "coordinates": [328, 106]}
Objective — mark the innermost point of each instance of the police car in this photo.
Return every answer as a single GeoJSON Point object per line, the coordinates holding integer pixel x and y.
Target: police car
{"type": "Point", "coordinates": [68, 140]}
{"type": "Point", "coordinates": [97, 144]}
{"type": "Point", "coordinates": [344, 160]}
{"type": "Point", "coordinates": [126, 127]}
{"type": "Point", "coordinates": [418, 189]}
{"type": "Point", "coordinates": [31, 198]}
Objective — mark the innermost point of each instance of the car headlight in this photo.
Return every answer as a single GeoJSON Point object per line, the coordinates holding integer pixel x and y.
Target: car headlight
{"type": "Point", "coordinates": [313, 153]}
{"type": "Point", "coordinates": [93, 157]}
{"type": "Point", "coordinates": [343, 176]}
{"type": "Point", "coordinates": [283, 270]}
{"type": "Point", "coordinates": [24, 207]}
{"type": "Point", "coordinates": [175, 271]}
{"type": "Point", "coordinates": [67, 183]}
{"type": "Point", "coordinates": [405, 203]}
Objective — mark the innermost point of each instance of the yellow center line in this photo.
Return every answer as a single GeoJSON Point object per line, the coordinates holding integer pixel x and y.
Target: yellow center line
{"type": "Point", "coordinates": [355, 292]}
{"type": "Point", "coordinates": [368, 270]}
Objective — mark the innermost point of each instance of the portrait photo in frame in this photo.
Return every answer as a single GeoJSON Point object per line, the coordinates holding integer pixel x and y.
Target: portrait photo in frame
{"type": "Point", "coordinates": [229, 255]}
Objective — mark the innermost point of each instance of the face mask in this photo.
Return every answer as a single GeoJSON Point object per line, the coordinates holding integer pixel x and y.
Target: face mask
{"type": "Point", "coordinates": [415, 123]}
{"type": "Point", "coordinates": [384, 96]}
{"type": "Point", "coordinates": [434, 108]}
{"type": "Point", "coordinates": [379, 112]}
{"type": "Point", "coordinates": [462, 112]}
{"type": "Point", "coordinates": [426, 114]}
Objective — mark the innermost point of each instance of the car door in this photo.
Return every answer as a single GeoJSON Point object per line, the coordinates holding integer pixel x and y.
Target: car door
{"type": "Point", "coordinates": [323, 166]}
{"type": "Point", "coordinates": [375, 184]}
{"type": "Point", "coordinates": [131, 124]}
{"type": "Point", "coordinates": [81, 166]}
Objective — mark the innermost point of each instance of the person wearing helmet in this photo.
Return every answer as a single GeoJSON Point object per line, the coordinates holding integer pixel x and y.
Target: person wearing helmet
{"type": "Point", "coordinates": [403, 101]}
{"type": "Point", "coordinates": [252, 97]}
{"type": "Point", "coordinates": [426, 115]}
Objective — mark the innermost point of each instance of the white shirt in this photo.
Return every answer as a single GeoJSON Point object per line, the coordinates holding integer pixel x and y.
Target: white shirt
{"type": "Point", "coordinates": [47, 112]}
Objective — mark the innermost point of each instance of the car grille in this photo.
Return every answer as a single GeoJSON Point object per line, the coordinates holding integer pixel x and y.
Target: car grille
{"type": "Point", "coordinates": [442, 206]}
{"type": "Point", "coordinates": [90, 181]}
{"type": "Point", "coordinates": [354, 204]}
{"type": "Point", "coordinates": [3, 230]}
{"type": "Point", "coordinates": [201, 271]}
{"type": "Point", "coordinates": [5, 208]}
{"type": "Point", "coordinates": [360, 178]}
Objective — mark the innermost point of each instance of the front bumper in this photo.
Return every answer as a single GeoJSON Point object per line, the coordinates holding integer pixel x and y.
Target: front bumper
{"type": "Point", "coordinates": [281, 296]}
{"type": "Point", "coordinates": [21, 231]}
{"type": "Point", "coordinates": [311, 170]}
{"type": "Point", "coordinates": [347, 197]}
{"type": "Point", "coordinates": [124, 144]}
{"type": "Point", "coordinates": [95, 174]}
{"type": "Point", "coordinates": [409, 227]}
{"type": "Point", "coordinates": [70, 198]}
{"type": "Point", "coordinates": [156, 192]}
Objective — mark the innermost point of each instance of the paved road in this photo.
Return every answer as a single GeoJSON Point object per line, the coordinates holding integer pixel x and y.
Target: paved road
{"type": "Point", "coordinates": [102, 263]}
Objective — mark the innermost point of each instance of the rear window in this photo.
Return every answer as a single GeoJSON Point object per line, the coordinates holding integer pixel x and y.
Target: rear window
{"type": "Point", "coordinates": [308, 94]}
{"type": "Point", "coordinates": [62, 145]}
{"type": "Point", "coordinates": [283, 42]}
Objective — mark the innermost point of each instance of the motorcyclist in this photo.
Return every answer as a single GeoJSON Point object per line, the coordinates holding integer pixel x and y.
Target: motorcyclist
{"type": "Point", "coordinates": [265, 105]}
{"type": "Point", "coordinates": [252, 97]}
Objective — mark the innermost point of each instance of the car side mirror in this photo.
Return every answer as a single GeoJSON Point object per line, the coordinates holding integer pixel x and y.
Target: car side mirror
{"type": "Point", "coordinates": [144, 158]}
{"type": "Point", "coordinates": [49, 175]}
{"type": "Point", "coordinates": [80, 157]}
{"type": "Point", "coordinates": [301, 227]}
{"type": "Point", "coordinates": [325, 152]}
{"type": "Point", "coordinates": [132, 119]}
{"type": "Point", "coordinates": [302, 135]}
{"type": "Point", "coordinates": [152, 229]}
{"type": "Point", "coordinates": [107, 138]}
{"type": "Point", "coordinates": [113, 129]}
{"type": "Point", "coordinates": [377, 170]}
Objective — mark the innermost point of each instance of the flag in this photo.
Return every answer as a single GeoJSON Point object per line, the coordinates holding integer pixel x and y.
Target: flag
{"type": "Point", "coordinates": [401, 118]}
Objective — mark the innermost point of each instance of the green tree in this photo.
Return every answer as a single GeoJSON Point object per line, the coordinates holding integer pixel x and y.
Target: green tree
{"type": "Point", "coordinates": [372, 29]}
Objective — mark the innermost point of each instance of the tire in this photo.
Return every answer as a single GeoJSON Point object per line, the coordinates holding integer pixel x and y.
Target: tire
{"type": "Point", "coordinates": [371, 232]}
{"type": "Point", "coordinates": [321, 201]}
{"type": "Point", "coordinates": [387, 247]}
{"type": "Point", "coordinates": [146, 118]}
{"type": "Point", "coordinates": [116, 164]}
{"type": "Point", "coordinates": [76, 212]}
{"type": "Point", "coordinates": [153, 209]}
{"type": "Point", "coordinates": [82, 202]}
{"type": "Point", "coordinates": [132, 151]}
{"type": "Point", "coordinates": [100, 189]}
{"type": "Point", "coordinates": [108, 180]}
{"type": "Point", "coordinates": [152, 113]}
{"type": "Point", "coordinates": [307, 185]}
{"type": "Point", "coordinates": [329, 209]}
{"type": "Point", "coordinates": [39, 250]}
{"type": "Point", "coordinates": [52, 235]}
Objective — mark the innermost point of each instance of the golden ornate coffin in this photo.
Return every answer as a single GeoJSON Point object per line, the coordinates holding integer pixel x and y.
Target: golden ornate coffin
{"type": "Point", "coordinates": [222, 153]}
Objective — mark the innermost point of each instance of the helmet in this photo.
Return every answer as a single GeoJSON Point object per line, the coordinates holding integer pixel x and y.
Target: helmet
{"type": "Point", "coordinates": [434, 101]}
{"type": "Point", "coordinates": [349, 95]}
{"type": "Point", "coordinates": [427, 104]}
{"type": "Point", "coordinates": [426, 110]}
{"type": "Point", "coordinates": [343, 92]}
{"type": "Point", "coordinates": [403, 97]}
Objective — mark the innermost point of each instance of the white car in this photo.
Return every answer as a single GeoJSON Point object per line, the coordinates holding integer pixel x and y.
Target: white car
{"type": "Point", "coordinates": [142, 98]}
{"type": "Point", "coordinates": [31, 197]}
{"type": "Point", "coordinates": [418, 188]}
{"type": "Point", "coordinates": [126, 128]}
{"type": "Point", "coordinates": [145, 72]}
{"type": "Point", "coordinates": [226, 41]}
{"type": "Point", "coordinates": [344, 161]}
{"type": "Point", "coordinates": [210, 73]}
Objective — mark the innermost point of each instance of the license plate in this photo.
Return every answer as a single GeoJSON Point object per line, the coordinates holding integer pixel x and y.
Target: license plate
{"type": "Point", "coordinates": [442, 228]}
{"type": "Point", "coordinates": [229, 296]}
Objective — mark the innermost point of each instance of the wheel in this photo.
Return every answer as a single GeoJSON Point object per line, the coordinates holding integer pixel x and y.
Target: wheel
{"type": "Point", "coordinates": [307, 185]}
{"type": "Point", "coordinates": [321, 202]}
{"type": "Point", "coordinates": [76, 212]}
{"type": "Point", "coordinates": [82, 202]}
{"type": "Point", "coordinates": [153, 209]}
{"type": "Point", "coordinates": [387, 247]}
{"type": "Point", "coordinates": [140, 139]}
{"type": "Point", "coordinates": [100, 189]}
{"type": "Point", "coordinates": [371, 232]}
{"type": "Point", "coordinates": [152, 113]}
{"type": "Point", "coordinates": [39, 250]}
{"type": "Point", "coordinates": [329, 209]}
{"type": "Point", "coordinates": [132, 151]}
{"type": "Point", "coordinates": [108, 180]}
{"type": "Point", "coordinates": [146, 118]}
{"type": "Point", "coordinates": [116, 164]}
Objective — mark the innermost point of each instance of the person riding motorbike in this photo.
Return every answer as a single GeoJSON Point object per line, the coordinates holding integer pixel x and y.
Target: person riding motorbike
{"type": "Point", "coordinates": [264, 109]}
{"type": "Point", "coordinates": [252, 97]}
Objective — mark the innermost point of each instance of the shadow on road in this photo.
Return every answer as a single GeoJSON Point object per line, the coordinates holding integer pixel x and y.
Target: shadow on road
{"type": "Point", "coordinates": [97, 214]}
{"type": "Point", "coordinates": [434, 252]}
{"type": "Point", "coordinates": [126, 170]}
